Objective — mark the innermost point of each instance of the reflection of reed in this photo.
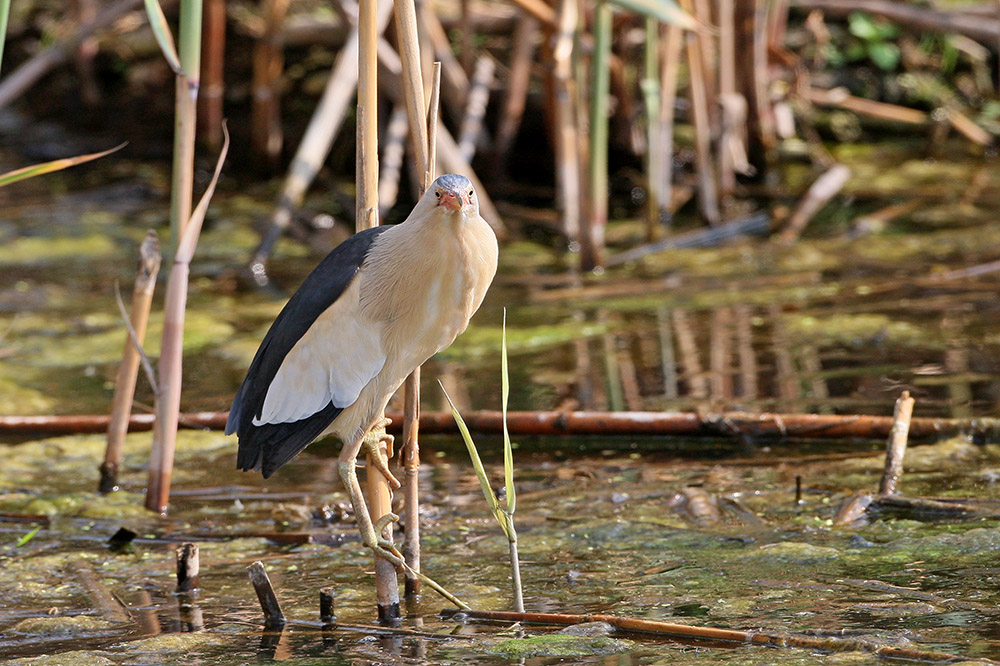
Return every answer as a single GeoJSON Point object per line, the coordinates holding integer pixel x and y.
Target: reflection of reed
{"type": "Point", "coordinates": [629, 377]}
{"type": "Point", "coordinates": [667, 360]}
{"type": "Point", "coordinates": [693, 374]}
{"type": "Point", "coordinates": [612, 371]}
{"type": "Point", "coordinates": [956, 363]}
{"type": "Point", "coordinates": [145, 615]}
{"type": "Point", "coordinates": [786, 376]}
{"type": "Point", "coordinates": [813, 368]}
{"type": "Point", "coordinates": [745, 353]}
{"type": "Point", "coordinates": [720, 355]}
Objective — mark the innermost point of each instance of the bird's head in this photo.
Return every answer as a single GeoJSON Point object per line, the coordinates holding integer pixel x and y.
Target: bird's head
{"type": "Point", "coordinates": [454, 193]}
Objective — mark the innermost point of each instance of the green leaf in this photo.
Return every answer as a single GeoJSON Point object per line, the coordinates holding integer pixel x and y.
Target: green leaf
{"type": "Point", "coordinates": [885, 55]}
{"type": "Point", "coordinates": [27, 537]}
{"type": "Point", "coordinates": [862, 26]}
{"type": "Point", "coordinates": [477, 464]}
{"type": "Point", "coordinates": [49, 167]}
{"type": "Point", "coordinates": [662, 10]}
{"type": "Point", "coordinates": [4, 13]}
{"type": "Point", "coordinates": [508, 454]}
{"type": "Point", "coordinates": [165, 38]}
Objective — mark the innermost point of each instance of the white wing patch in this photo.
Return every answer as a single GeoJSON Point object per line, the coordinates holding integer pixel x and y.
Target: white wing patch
{"type": "Point", "coordinates": [335, 359]}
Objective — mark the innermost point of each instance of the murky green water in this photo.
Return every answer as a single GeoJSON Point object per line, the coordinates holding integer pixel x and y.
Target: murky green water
{"type": "Point", "coordinates": [833, 324]}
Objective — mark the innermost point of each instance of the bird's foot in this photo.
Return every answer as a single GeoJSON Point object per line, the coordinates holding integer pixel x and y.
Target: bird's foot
{"type": "Point", "coordinates": [383, 547]}
{"type": "Point", "coordinates": [371, 443]}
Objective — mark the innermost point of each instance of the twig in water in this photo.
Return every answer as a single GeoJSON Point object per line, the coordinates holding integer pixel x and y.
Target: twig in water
{"type": "Point", "coordinates": [896, 446]}
{"type": "Point", "coordinates": [188, 564]}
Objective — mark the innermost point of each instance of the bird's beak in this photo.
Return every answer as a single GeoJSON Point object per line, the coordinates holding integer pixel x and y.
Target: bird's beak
{"type": "Point", "coordinates": [450, 200]}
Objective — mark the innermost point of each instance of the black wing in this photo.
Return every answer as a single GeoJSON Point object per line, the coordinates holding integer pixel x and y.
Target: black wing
{"type": "Point", "coordinates": [269, 446]}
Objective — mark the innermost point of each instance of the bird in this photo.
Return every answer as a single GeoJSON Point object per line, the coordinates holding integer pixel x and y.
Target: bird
{"type": "Point", "coordinates": [375, 308]}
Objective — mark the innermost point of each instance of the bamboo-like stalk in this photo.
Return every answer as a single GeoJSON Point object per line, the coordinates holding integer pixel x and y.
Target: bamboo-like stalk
{"type": "Point", "coordinates": [185, 118]}
{"type": "Point", "coordinates": [168, 402]}
{"type": "Point", "coordinates": [475, 107]}
{"type": "Point", "coordinates": [754, 424]}
{"type": "Point", "coordinates": [268, 62]}
{"type": "Point", "coordinates": [655, 160]}
{"type": "Point", "coordinates": [213, 85]}
{"type": "Point", "coordinates": [592, 236]}
{"type": "Point", "coordinates": [128, 371]}
{"type": "Point", "coordinates": [896, 444]}
{"type": "Point", "coordinates": [379, 492]}
{"type": "Point", "coordinates": [727, 88]}
{"type": "Point", "coordinates": [566, 121]}
{"type": "Point", "coordinates": [708, 194]}
{"type": "Point", "coordinates": [668, 96]}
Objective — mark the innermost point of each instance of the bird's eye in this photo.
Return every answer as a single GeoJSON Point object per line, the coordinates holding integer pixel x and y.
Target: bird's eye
{"type": "Point", "coordinates": [438, 194]}
{"type": "Point", "coordinates": [471, 193]}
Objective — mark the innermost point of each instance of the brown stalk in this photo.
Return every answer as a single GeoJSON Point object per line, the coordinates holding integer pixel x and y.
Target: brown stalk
{"type": "Point", "coordinates": [516, 90]}
{"type": "Point", "coordinates": [708, 194]}
{"type": "Point", "coordinates": [268, 63]}
{"type": "Point", "coordinates": [818, 195]}
{"type": "Point", "coordinates": [103, 599]}
{"type": "Point", "coordinates": [896, 445]}
{"type": "Point", "coordinates": [391, 164]}
{"type": "Point", "coordinates": [379, 491]}
{"type": "Point", "coordinates": [475, 107]}
{"type": "Point", "coordinates": [161, 455]}
{"type": "Point", "coordinates": [753, 424]}
{"type": "Point", "coordinates": [839, 97]}
{"type": "Point", "coordinates": [539, 10]}
{"type": "Point", "coordinates": [668, 97]}
{"type": "Point", "coordinates": [213, 86]}
{"type": "Point", "coordinates": [128, 371]}
{"type": "Point", "coordinates": [455, 82]}
{"type": "Point", "coordinates": [753, 637]}
{"type": "Point", "coordinates": [568, 187]}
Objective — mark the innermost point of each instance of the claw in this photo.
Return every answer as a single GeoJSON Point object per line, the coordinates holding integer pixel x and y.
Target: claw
{"type": "Point", "coordinates": [371, 442]}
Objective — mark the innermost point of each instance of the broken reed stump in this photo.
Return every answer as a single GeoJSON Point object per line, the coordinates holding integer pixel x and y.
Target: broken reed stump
{"type": "Point", "coordinates": [188, 565]}
{"type": "Point", "coordinates": [327, 615]}
{"type": "Point", "coordinates": [128, 371]}
{"type": "Point", "coordinates": [896, 446]}
{"type": "Point", "coordinates": [273, 617]}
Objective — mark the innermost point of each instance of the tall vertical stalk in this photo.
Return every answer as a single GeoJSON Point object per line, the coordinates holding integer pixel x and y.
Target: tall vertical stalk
{"type": "Point", "coordinates": [4, 14]}
{"type": "Point", "coordinates": [185, 114]}
{"type": "Point", "coordinates": [592, 240]}
{"type": "Point", "coordinates": [654, 158]}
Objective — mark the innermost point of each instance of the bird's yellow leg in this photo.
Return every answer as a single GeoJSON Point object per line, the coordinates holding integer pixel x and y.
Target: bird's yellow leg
{"type": "Point", "coordinates": [370, 535]}
{"type": "Point", "coordinates": [371, 442]}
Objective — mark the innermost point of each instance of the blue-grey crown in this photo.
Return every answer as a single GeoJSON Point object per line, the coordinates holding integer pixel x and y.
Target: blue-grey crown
{"type": "Point", "coordinates": [452, 181]}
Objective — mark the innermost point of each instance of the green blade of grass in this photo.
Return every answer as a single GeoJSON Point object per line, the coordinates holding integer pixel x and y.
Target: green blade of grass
{"type": "Point", "coordinates": [54, 165]}
{"type": "Point", "coordinates": [4, 14]}
{"type": "Point", "coordinates": [508, 454]}
{"type": "Point", "coordinates": [165, 38]}
{"type": "Point", "coordinates": [477, 464]}
{"type": "Point", "coordinates": [27, 537]}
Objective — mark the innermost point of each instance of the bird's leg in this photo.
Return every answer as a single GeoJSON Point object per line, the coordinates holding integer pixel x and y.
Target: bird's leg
{"type": "Point", "coordinates": [371, 536]}
{"type": "Point", "coordinates": [371, 442]}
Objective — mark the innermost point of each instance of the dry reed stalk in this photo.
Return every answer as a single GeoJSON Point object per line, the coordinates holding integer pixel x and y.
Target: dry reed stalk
{"type": "Point", "coordinates": [818, 195]}
{"type": "Point", "coordinates": [213, 87]}
{"type": "Point", "coordinates": [128, 371]}
{"type": "Point", "coordinates": [316, 142]}
{"type": "Point", "coordinates": [708, 195]}
{"type": "Point", "coordinates": [379, 491]}
{"type": "Point", "coordinates": [475, 107]}
{"type": "Point", "coordinates": [896, 445]}
{"type": "Point", "coordinates": [669, 67]}
{"type": "Point", "coordinates": [753, 637]}
{"type": "Point", "coordinates": [161, 455]}
{"type": "Point", "coordinates": [568, 187]}
{"type": "Point", "coordinates": [391, 164]}
{"type": "Point", "coordinates": [17, 82]}
{"type": "Point", "coordinates": [516, 90]}
{"type": "Point", "coordinates": [727, 89]}
{"type": "Point", "coordinates": [268, 62]}
{"type": "Point", "coordinates": [413, 94]}
{"type": "Point", "coordinates": [596, 219]}
{"type": "Point", "coordinates": [655, 160]}
{"type": "Point", "coordinates": [455, 82]}
{"type": "Point", "coordinates": [839, 97]}
{"type": "Point", "coordinates": [539, 10]}
{"type": "Point", "coordinates": [465, 37]}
